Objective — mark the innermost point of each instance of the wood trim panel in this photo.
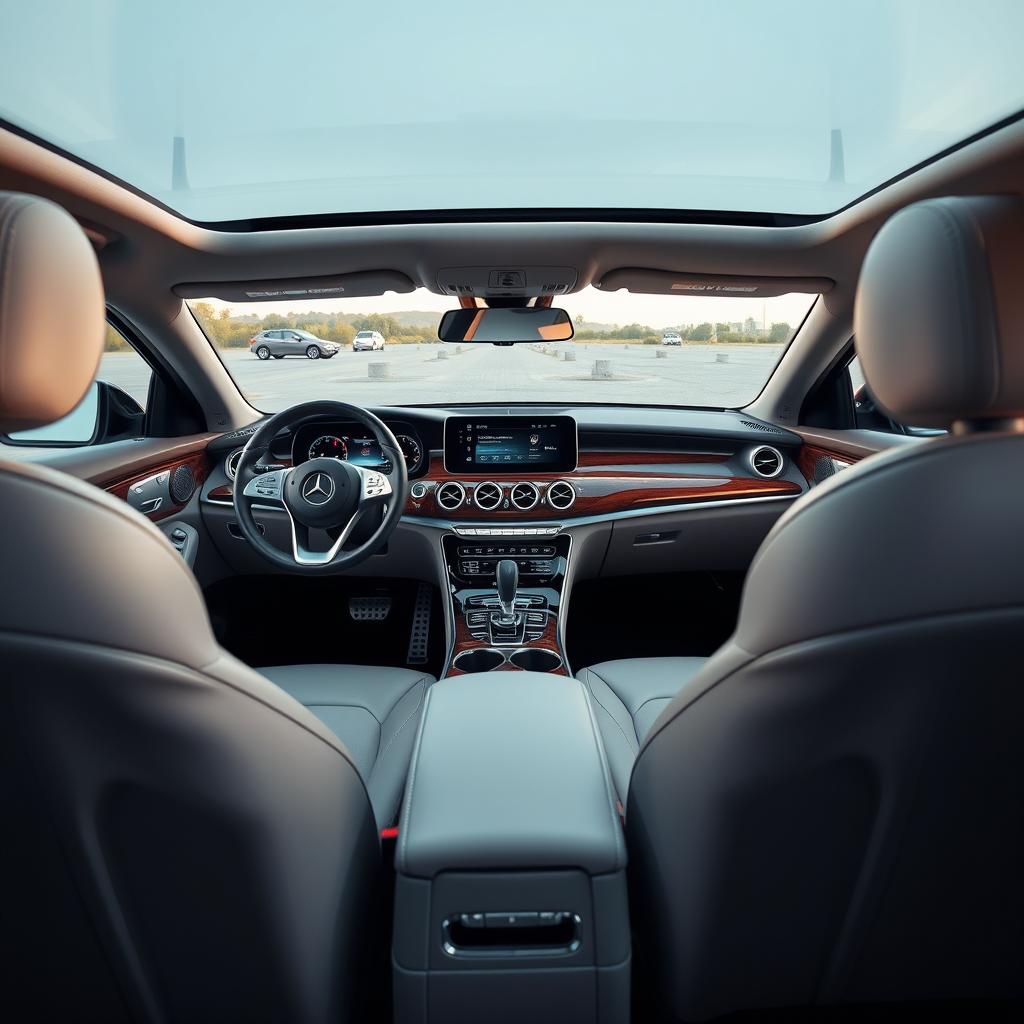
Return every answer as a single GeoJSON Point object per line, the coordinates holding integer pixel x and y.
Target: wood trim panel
{"type": "Point", "coordinates": [465, 642]}
{"type": "Point", "coordinates": [809, 455]}
{"type": "Point", "coordinates": [604, 487]}
{"type": "Point", "coordinates": [199, 463]}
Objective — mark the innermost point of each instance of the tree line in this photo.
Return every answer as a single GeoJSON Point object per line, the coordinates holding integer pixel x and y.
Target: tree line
{"type": "Point", "coordinates": [779, 333]}
{"type": "Point", "coordinates": [228, 330]}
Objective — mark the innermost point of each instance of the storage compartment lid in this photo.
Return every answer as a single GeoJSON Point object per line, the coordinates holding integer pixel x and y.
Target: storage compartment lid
{"type": "Point", "coordinates": [508, 773]}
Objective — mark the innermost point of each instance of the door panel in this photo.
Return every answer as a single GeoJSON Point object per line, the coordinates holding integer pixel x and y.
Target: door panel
{"type": "Point", "coordinates": [124, 464]}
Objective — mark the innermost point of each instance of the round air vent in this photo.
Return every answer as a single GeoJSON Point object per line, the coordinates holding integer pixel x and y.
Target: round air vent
{"type": "Point", "coordinates": [524, 496]}
{"type": "Point", "coordinates": [561, 495]}
{"type": "Point", "coordinates": [231, 463]}
{"type": "Point", "coordinates": [183, 483]}
{"type": "Point", "coordinates": [488, 495]}
{"type": "Point", "coordinates": [450, 495]}
{"type": "Point", "coordinates": [766, 462]}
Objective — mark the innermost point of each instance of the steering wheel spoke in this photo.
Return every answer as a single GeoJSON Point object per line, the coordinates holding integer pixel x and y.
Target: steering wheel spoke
{"type": "Point", "coordinates": [267, 488]}
{"type": "Point", "coordinates": [302, 550]}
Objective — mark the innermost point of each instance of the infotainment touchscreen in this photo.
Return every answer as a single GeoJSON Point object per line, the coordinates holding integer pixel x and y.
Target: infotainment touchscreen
{"type": "Point", "coordinates": [509, 444]}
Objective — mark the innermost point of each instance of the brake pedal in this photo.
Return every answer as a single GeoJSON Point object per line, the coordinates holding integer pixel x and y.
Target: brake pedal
{"type": "Point", "coordinates": [369, 609]}
{"type": "Point", "coordinates": [419, 637]}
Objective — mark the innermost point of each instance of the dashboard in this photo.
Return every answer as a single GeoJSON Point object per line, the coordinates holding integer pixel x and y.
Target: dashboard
{"type": "Point", "coordinates": [524, 468]}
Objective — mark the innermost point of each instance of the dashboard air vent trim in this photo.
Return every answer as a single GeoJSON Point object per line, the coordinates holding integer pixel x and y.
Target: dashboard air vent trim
{"type": "Point", "coordinates": [450, 495]}
{"type": "Point", "coordinates": [767, 428]}
{"type": "Point", "coordinates": [524, 495]}
{"type": "Point", "coordinates": [766, 461]}
{"type": "Point", "coordinates": [561, 495]}
{"type": "Point", "coordinates": [488, 495]}
{"type": "Point", "coordinates": [231, 462]}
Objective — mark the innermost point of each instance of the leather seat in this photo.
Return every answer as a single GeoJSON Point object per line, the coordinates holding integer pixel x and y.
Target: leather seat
{"type": "Point", "coordinates": [830, 810]}
{"type": "Point", "coordinates": [183, 839]}
{"type": "Point", "coordinates": [627, 696]}
{"type": "Point", "coordinates": [374, 711]}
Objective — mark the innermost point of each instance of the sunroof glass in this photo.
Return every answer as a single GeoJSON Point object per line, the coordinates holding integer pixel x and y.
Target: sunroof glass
{"type": "Point", "coordinates": [231, 110]}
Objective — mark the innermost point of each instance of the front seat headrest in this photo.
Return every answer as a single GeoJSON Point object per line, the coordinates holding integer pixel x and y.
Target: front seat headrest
{"type": "Point", "coordinates": [52, 316]}
{"type": "Point", "coordinates": [939, 315]}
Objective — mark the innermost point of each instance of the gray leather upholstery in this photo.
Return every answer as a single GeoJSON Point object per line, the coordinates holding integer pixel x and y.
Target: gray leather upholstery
{"type": "Point", "coordinates": [939, 309]}
{"type": "Point", "coordinates": [829, 811]}
{"type": "Point", "coordinates": [374, 711]}
{"type": "Point", "coordinates": [628, 695]}
{"type": "Point", "coordinates": [51, 312]}
{"type": "Point", "coordinates": [183, 840]}
{"type": "Point", "coordinates": [508, 772]}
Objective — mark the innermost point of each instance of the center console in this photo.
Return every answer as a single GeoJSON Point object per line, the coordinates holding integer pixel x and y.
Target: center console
{"type": "Point", "coordinates": [510, 900]}
{"type": "Point", "coordinates": [507, 595]}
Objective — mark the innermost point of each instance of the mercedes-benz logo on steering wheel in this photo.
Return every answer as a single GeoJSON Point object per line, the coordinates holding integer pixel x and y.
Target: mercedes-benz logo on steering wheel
{"type": "Point", "coordinates": [318, 489]}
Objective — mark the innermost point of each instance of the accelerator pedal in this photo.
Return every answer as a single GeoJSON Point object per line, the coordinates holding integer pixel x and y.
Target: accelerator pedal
{"type": "Point", "coordinates": [419, 637]}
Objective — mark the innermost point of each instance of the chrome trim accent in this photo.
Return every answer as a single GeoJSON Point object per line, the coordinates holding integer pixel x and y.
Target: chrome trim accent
{"type": "Point", "coordinates": [476, 495]}
{"type": "Point", "coordinates": [766, 448]}
{"type": "Point", "coordinates": [441, 489]}
{"type": "Point", "coordinates": [319, 486]}
{"type": "Point", "coordinates": [229, 468]}
{"type": "Point", "coordinates": [552, 486]}
{"type": "Point", "coordinates": [483, 529]}
{"type": "Point", "coordinates": [524, 483]}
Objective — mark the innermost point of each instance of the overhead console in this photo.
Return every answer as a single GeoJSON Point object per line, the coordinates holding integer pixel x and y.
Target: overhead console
{"type": "Point", "coordinates": [510, 444]}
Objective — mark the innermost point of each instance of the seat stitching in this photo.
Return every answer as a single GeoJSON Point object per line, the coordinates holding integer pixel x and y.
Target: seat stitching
{"type": "Point", "coordinates": [634, 745]}
{"type": "Point", "coordinates": [394, 735]}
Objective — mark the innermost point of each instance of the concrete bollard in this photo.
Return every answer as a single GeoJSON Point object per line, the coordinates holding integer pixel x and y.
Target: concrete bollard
{"type": "Point", "coordinates": [570, 356]}
{"type": "Point", "coordinates": [602, 369]}
{"type": "Point", "coordinates": [661, 354]}
{"type": "Point", "coordinates": [378, 371]}
{"type": "Point", "coordinates": [722, 357]}
{"type": "Point", "coordinates": [441, 354]}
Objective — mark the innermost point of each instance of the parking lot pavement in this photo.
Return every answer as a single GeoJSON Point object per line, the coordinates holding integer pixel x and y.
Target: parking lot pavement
{"type": "Point", "coordinates": [723, 375]}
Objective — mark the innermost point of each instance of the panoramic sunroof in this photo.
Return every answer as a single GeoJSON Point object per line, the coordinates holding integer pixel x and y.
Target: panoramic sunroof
{"type": "Point", "coordinates": [240, 110]}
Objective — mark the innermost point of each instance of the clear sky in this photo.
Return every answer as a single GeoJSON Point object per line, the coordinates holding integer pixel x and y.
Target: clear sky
{"type": "Point", "coordinates": [603, 307]}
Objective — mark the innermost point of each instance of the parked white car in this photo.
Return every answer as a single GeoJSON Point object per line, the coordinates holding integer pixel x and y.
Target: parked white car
{"type": "Point", "coordinates": [671, 338]}
{"type": "Point", "coordinates": [368, 341]}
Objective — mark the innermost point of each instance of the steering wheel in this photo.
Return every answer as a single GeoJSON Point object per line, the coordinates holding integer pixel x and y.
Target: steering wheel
{"type": "Point", "coordinates": [321, 494]}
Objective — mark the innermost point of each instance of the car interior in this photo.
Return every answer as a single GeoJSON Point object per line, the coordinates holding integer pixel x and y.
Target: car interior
{"type": "Point", "coordinates": [524, 669]}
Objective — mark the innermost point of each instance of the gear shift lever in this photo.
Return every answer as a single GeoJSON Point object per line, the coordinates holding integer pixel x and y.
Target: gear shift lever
{"type": "Point", "coordinates": [508, 582]}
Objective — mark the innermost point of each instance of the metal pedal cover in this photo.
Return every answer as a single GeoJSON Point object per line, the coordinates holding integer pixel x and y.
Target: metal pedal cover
{"type": "Point", "coordinates": [419, 637]}
{"type": "Point", "coordinates": [369, 609]}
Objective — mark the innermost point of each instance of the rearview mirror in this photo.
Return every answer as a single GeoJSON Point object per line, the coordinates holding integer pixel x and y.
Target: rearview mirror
{"type": "Point", "coordinates": [506, 326]}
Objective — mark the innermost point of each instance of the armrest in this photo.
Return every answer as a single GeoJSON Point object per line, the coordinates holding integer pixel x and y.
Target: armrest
{"type": "Point", "coordinates": [508, 772]}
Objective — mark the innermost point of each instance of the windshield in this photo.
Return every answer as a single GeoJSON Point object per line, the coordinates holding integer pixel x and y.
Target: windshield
{"type": "Point", "coordinates": [721, 353]}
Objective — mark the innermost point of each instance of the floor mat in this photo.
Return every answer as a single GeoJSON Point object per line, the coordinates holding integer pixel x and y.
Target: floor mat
{"type": "Point", "coordinates": [670, 615]}
{"type": "Point", "coordinates": [283, 620]}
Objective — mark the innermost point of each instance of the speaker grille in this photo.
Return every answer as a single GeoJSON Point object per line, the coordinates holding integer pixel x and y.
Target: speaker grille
{"type": "Point", "coordinates": [183, 484]}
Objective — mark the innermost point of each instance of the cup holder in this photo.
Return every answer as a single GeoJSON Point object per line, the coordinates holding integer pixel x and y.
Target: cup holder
{"type": "Point", "coordinates": [536, 659]}
{"type": "Point", "coordinates": [483, 659]}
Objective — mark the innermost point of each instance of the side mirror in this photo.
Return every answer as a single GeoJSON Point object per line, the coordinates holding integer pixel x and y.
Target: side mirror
{"type": "Point", "coordinates": [106, 413]}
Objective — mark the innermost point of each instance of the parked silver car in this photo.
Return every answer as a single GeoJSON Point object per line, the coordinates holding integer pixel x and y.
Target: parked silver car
{"type": "Point", "coordinates": [287, 342]}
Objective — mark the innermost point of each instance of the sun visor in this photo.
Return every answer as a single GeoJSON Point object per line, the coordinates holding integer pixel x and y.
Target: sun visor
{"type": "Point", "coordinates": [665, 282]}
{"type": "Point", "coordinates": [337, 286]}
